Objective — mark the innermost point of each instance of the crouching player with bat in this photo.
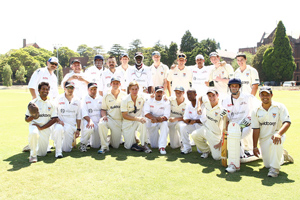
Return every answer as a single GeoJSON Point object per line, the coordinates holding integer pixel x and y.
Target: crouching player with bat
{"type": "Point", "coordinates": [270, 122]}
{"type": "Point", "coordinates": [208, 137]}
{"type": "Point", "coordinates": [40, 115]}
{"type": "Point", "coordinates": [69, 117]}
{"type": "Point", "coordinates": [239, 106]}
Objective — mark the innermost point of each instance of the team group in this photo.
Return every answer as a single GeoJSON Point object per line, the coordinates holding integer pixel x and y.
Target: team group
{"type": "Point", "coordinates": [158, 102]}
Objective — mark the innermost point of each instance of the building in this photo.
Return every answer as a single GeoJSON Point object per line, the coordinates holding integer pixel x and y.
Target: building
{"type": "Point", "coordinates": [30, 44]}
{"type": "Point", "coordinates": [251, 50]}
{"type": "Point", "coordinates": [227, 56]}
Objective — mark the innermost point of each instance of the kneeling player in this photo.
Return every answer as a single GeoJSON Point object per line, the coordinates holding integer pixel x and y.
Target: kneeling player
{"type": "Point", "coordinates": [40, 115]}
{"type": "Point", "coordinates": [210, 131]}
{"type": "Point", "coordinates": [90, 108]}
{"type": "Point", "coordinates": [269, 122]}
{"type": "Point", "coordinates": [133, 120]}
{"type": "Point", "coordinates": [157, 111]}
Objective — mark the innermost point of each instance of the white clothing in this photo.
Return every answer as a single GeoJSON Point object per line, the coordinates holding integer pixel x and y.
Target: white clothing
{"type": "Point", "coordinates": [159, 74]}
{"type": "Point", "coordinates": [142, 76]}
{"type": "Point", "coordinates": [249, 77]}
{"type": "Point", "coordinates": [94, 75]}
{"type": "Point", "coordinates": [80, 89]}
{"type": "Point", "coordinates": [200, 76]}
{"type": "Point", "coordinates": [105, 81]}
{"type": "Point", "coordinates": [180, 78]}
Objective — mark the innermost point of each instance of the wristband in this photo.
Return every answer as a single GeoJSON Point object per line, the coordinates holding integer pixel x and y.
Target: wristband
{"type": "Point", "coordinates": [78, 129]}
{"type": "Point", "coordinates": [255, 148]}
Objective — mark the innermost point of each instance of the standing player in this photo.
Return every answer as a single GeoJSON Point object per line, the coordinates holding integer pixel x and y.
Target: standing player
{"type": "Point", "coordinates": [270, 122]}
{"type": "Point", "coordinates": [124, 58]}
{"type": "Point", "coordinates": [69, 117]}
{"type": "Point", "coordinates": [178, 105]}
{"type": "Point", "coordinates": [191, 121]}
{"type": "Point", "coordinates": [141, 74]}
{"type": "Point", "coordinates": [247, 74]}
{"type": "Point", "coordinates": [79, 79]}
{"type": "Point", "coordinates": [200, 75]}
{"type": "Point", "coordinates": [157, 111]}
{"type": "Point", "coordinates": [111, 116]}
{"type": "Point", "coordinates": [239, 106]}
{"type": "Point", "coordinates": [133, 120]}
{"type": "Point", "coordinates": [39, 125]}
{"type": "Point", "coordinates": [210, 131]}
{"type": "Point", "coordinates": [159, 71]}
{"type": "Point", "coordinates": [94, 73]}
{"type": "Point", "coordinates": [107, 75]}
{"type": "Point", "coordinates": [45, 74]}
{"type": "Point", "coordinates": [220, 74]}
{"type": "Point", "coordinates": [90, 108]}
{"type": "Point", "coordinates": [180, 75]}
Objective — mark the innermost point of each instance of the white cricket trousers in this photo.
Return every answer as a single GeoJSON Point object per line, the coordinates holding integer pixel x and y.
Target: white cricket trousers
{"type": "Point", "coordinates": [174, 134]}
{"type": "Point", "coordinates": [185, 131]}
{"type": "Point", "coordinates": [38, 141]}
{"type": "Point", "coordinates": [63, 138]}
{"type": "Point", "coordinates": [129, 128]}
{"type": "Point", "coordinates": [272, 154]}
{"type": "Point", "coordinates": [115, 127]}
{"type": "Point", "coordinates": [158, 140]}
{"type": "Point", "coordinates": [90, 135]}
{"type": "Point", "coordinates": [202, 136]}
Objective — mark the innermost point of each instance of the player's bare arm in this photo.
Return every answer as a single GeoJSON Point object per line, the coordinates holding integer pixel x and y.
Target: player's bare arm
{"type": "Point", "coordinates": [130, 118]}
{"type": "Point", "coordinates": [277, 137]}
{"type": "Point", "coordinates": [256, 133]}
{"type": "Point", "coordinates": [28, 118]}
{"type": "Point", "coordinates": [77, 133]}
{"type": "Point", "coordinates": [90, 122]}
{"type": "Point", "coordinates": [32, 92]}
{"type": "Point", "coordinates": [47, 125]}
{"type": "Point", "coordinates": [152, 118]}
{"type": "Point", "coordinates": [199, 111]}
{"type": "Point", "coordinates": [104, 115]}
{"type": "Point", "coordinates": [254, 89]}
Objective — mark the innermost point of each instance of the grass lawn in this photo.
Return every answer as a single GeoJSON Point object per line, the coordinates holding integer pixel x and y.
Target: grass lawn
{"type": "Point", "coordinates": [124, 174]}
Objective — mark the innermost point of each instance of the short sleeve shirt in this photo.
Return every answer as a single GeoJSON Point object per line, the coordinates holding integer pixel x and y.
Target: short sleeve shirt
{"type": "Point", "coordinates": [157, 108]}
{"type": "Point", "coordinates": [191, 112]}
{"type": "Point", "coordinates": [142, 76]}
{"type": "Point", "coordinates": [113, 105]}
{"type": "Point", "coordinates": [249, 77]}
{"type": "Point", "coordinates": [177, 110]}
{"type": "Point", "coordinates": [180, 77]}
{"type": "Point", "coordinates": [225, 72]}
{"type": "Point", "coordinates": [159, 74]}
{"type": "Point", "coordinates": [91, 107]}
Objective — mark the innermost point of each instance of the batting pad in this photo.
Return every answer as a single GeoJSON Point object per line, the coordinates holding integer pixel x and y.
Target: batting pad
{"type": "Point", "coordinates": [233, 144]}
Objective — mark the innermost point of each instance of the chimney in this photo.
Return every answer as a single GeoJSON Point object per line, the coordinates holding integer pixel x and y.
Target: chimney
{"type": "Point", "coordinates": [24, 43]}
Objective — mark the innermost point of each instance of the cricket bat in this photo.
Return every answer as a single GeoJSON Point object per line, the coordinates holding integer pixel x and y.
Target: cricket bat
{"type": "Point", "coordinates": [224, 143]}
{"type": "Point", "coordinates": [74, 140]}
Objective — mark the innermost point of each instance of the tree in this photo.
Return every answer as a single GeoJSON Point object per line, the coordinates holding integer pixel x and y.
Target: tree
{"type": "Point", "coordinates": [249, 61]}
{"type": "Point", "coordinates": [278, 61]}
{"type": "Point", "coordinates": [135, 46]}
{"type": "Point", "coordinates": [85, 51]}
{"type": "Point", "coordinates": [257, 62]}
{"type": "Point", "coordinates": [60, 73]}
{"type": "Point", "coordinates": [116, 51]}
{"type": "Point", "coordinates": [64, 55]}
{"type": "Point", "coordinates": [20, 75]}
{"type": "Point", "coordinates": [172, 54]}
{"type": "Point", "coordinates": [188, 42]}
{"type": "Point", "coordinates": [6, 76]}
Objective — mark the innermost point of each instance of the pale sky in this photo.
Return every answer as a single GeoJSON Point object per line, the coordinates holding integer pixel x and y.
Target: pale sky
{"type": "Point", "coordinates": [233, 24]}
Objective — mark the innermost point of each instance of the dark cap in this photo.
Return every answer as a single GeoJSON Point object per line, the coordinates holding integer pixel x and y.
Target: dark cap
{"type": "Point", "coordinates": [124, 55]}
{"type": "Point", "coordinates": [90, 85]}
{"type": "Point", "coordinates": [159, 88]}
{"type": "Point", "coordinates": [69, 84]}
{"type": "Point", "coordinates": [138, 54]}
{"type": "Point", "coordinates": [76, 61]}
{"type": "Point", "coordinates": [179, 88]}
{"type": "Point", "coordinates": [241, 54]}
{"type": "Point", "coordinates": [115, 78]}
{"type": "Point", "coordinates": [265, 89]}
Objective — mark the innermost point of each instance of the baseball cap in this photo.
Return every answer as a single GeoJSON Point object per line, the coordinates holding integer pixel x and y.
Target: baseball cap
{"type": "Point", "coordinates": [181, 55]}
{"type": "Point", "coordinates": [138, 54]}
{"type": "Point", "coordinates": [155, 53]}
{"type": "Point", "coordinates": [69, 84]}
{"type": "Point", "coordinates": [115, 78]}
{"type": "Point", "coordinates": [199, 56]}
{"type": "Point", "coordinates": [53, 59]}
{"type": "Point", "coordinates": [241, 54]}
{"type": "Point", "coordinates": [213, 54]}
{"type": "Point", "coordinates": [265, 89]}
{"type": "Point", "coordinates": [92, 85]}
{"type": "Point", "coordinates": [98, 57]}
{"type": "Point", "coordinates": [212, 90]}
{"type": "Point", "coordinates": [75, 61]}
{"type": "Point", "coordinates": [159, 88]}
{"type": "Point", "coordinates": [179, 88]}
{"type": "Point", "coordinates": [123, 55]}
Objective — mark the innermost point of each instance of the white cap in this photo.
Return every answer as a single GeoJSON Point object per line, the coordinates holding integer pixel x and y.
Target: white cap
{"type": "Point", "coordinates": [199, 56]}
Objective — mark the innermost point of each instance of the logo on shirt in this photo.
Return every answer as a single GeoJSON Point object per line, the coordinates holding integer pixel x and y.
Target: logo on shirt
{"type": "Point", "coordinates": [190, 112]}
{"type": "Point", "coordinates": [45, 78]}
{"type": "Point", "coordinates": [161, 73]}
{"type": "Point", "coordinates": [223, 73]}
{"type": "Point", "coordinates": [274, 115]}
{"type": "Point", "coordinates": [216, 113]}
{"type": "Point", "coordinates": [184, 74]}
{"type": "Point", "coordinates": [49, 108]}
{"type": "Point", "coordinates": [243, 103]}
{"type": "Point", "coordinates": [195, 72]}
{"type": "Point", "coordinates": [88, 102]}
{"type": "Point", "coordinates": [140, 103]}
{"type": "Point", "coordinates": [161, 108]}
{"type": "Point", "coordinates": [204, 72]}
{"type": "Point", "coordinates": [108, 77]}
{"type": "Point", "coordinates": [110, 100]}
{"type": "Point", "coordinates": [62, 110]}
{"type": "Point", "coordinates": [183, 109]}
{"type": "Point", "coordinates": [175, 74]}
{"type": "Point", "coordinates": [93, 73]}
{"type": "Point", "coordinates": [60, 103]}
{"type": "Point", "coordinates": [90, 110]}
{"type": "Point", "coordinates": [195, 78]}
{"type": "Point", "coordinates": [228, 105]}
{"type": "Point", "coordinates": [151, 106]}
{"type": "Point", "coordinates": [75, 104]}
{"type": "Point", "coordinates": [247, 74]}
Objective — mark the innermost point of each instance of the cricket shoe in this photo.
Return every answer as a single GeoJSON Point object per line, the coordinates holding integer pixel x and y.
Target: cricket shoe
{"type": "Point", "coordinates": [231, 168]}
{"type": "Point", "coordinates": [33, 159]}
{"type": "Point", "coordinates": [59, 156]}
{"type": "Point", "coordinates": [103, 151]}
{"type": "Point", "coordinates": [26, 148]}
{"type": "Point", "coordinates": [273, 172]}
{"type": "Point", "coordinates": [82, 147]}
{"type": "Point", "coordinates": [287, 157]}
{"type": "Point", "coordinates": [136, 147]}
{"type": "Point", "coordinates": [186, 151]}
{"type": "Point", "coordinates": [205, 154]}
{"type": "Point", "coordinates": [162, 151]}
{"type": "Point", "coordinates": [147, 149]}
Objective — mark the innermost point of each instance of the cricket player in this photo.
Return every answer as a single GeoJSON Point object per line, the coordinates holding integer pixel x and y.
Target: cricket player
{"type": "Point", "coordinates": [90, 109]}
{"type": "Point", "coordinates": [178, 105]}
{"type": "Point", "coordinates": [247, 74]}
{"type": "Point", "coordinates": [239, 106]}
{"type": "Point", "coordinates": [180, 75]}
{"type": "Point", "coordinates": [157, 112]}
{"type": "Point", "coordinates": [124, 58]}
{"type": "Point", "coordinates": [209, 137]}
{"type": "Point", "coordinates": [270, 122]}
{"type": "Point", "coordinates": [220, 74]}
{"type": "Point", "coordinates": [111, 116]}
{"type": "Point", "coordinates": [69, 117]}
{"type": "Point", "coordinates": [133, 120]}
{"type": "Point", "coordinates": [191, 121]}
{"type": "Point", "coordinates": [200, 75]}
{"type": "Point", "coordinates": [45, 74]}
{"type": "Point", "coordinates": [105, 85]}
{"type": "Point", "coordinates": [159, 71]}
{"type": "Point", "coordinates": [94, 73]}
{"type": "Point", "coordinates": [141, 74]}
{"type": "Point", "coordinates": [39, 125]}
{"type": "Point", "coordinates": [79, 78]}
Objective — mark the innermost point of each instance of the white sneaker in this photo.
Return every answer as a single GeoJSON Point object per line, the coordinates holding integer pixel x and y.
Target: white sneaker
{"type": "Point", "coordinates": [33, 159]}
{"type": "Point", "coordinates": [26, 148]}
{"type": "Point", "coordinates": [162, 150]}
{"type": "Point", "coordinates": [59, 155]}
{"type": "Point", "coordinates": [273, 172]}
{"type": "Point", "coordinates": [204, 155]}
{"type": "Point", "coordinates": [231, 169]}
{"type": "Point", "coordinates": [287, 157]}
{"type": "Point", "coordinates": [186, 151]}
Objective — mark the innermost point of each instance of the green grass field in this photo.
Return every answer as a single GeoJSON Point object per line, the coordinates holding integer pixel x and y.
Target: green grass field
{"type": "Point", "coordinates": [124, 174]}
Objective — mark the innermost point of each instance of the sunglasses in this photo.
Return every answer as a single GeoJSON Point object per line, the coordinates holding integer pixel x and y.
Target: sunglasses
{"type": "Point", "coordinates": [135, 109]}
{"type": "Point", "coordinates": [181, 56]}
{"type": "Point", "coordinates": [53, 63]}
{"type": "Point", "coordinates": [71, 88]}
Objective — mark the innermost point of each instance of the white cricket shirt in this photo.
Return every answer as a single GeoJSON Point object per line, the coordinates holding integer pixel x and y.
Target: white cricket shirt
{"type": "Point", "coordinates": [248, 77]}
